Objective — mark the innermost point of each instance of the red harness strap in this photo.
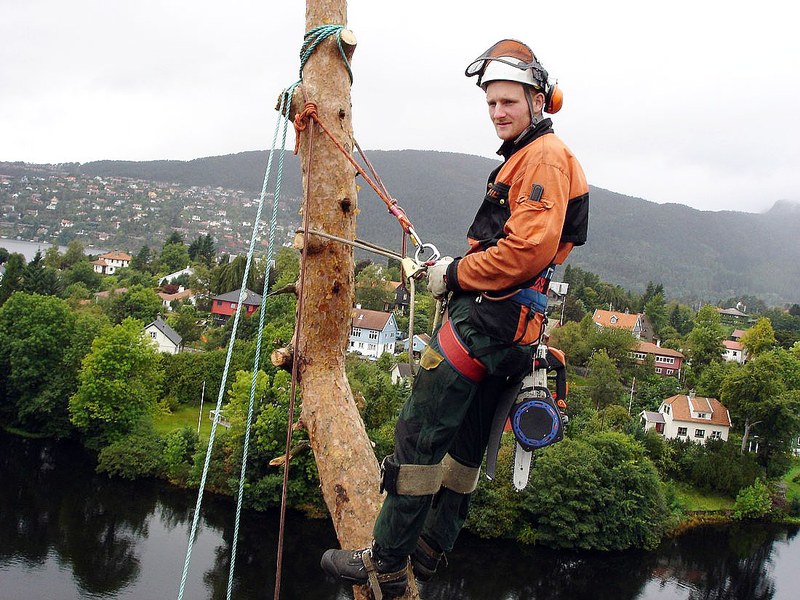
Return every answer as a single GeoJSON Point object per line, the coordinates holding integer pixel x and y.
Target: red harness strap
{"type": "Point", "coordinates": [457, 355]}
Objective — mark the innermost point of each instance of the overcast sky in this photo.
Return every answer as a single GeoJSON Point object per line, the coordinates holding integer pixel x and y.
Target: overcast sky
{"type": "Point", "coordinates": [693, 102]}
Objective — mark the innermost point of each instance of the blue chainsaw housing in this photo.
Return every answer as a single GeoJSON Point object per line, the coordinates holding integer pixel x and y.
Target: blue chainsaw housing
{"type": "Point", "coordinates": [536, 421]}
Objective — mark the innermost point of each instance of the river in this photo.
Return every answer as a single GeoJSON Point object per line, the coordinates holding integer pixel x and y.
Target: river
{"type": "Point", "coordinates": [29, 249]}
{"type": "Point", "coordinates": [67, 533]}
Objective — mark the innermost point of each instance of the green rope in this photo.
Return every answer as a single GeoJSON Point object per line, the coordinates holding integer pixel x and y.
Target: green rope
{"type": "Point", "coordinates": [314, 37]}
{"type": "Point", "coordinates": [285, 99]}
{"type": "Point", "coordinates": [195, 520]}
{"type": "Point", "coordinates": [311, 40]}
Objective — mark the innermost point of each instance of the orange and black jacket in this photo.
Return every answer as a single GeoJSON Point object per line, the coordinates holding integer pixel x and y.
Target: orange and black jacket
{"type": "Point", "coordinates": [535, 210]}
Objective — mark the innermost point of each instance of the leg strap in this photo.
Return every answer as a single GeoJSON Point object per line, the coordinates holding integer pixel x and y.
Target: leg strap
{"type": "Point", "coordinates": [458, 355]}
{"type": "Point", "coordinates": [458, 477]}
{"type": "Point", "coordinates": [409, 479]}
{"type": "Point", "coordinates": [375, 578]}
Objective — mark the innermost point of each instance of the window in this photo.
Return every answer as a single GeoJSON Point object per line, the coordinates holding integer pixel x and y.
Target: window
{"type": "Point", "coordinates": [702, 416]}
{"type": "Point", "coordinates": [668, 360]}
{"type": "Point", "coordinates": [682, 431]}
{"type": "Point", "coordinates": [658, 369]}
{"type": "Point", "coordinates": [219, 302]}
{"type": "Point", "coordinates": [669, 371]}
{"type": "Point", "coordinates": [716, 435]}
{"type": "Point", "coordinates": [373, 334]}
{"type": "Point", "coordinates": [233, 305]}
{"type": "Point", "coordinates": [357, 331]}
{"type": "Point", "coordinates": [699, 433]}
{"type": "Point", "coordinates": [153, 334]}
{"type": "Point", "coordinates": [666, 409]}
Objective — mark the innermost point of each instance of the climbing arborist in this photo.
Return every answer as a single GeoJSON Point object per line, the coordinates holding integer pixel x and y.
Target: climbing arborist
{"type": "Point", "coordinates": [534, 211]}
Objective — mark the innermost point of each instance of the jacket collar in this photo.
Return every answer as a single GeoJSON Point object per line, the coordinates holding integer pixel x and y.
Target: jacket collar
{"type": "Point", "coordinates": [543, 127]}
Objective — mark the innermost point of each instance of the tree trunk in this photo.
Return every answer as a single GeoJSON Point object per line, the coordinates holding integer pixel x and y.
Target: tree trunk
{"type": "Point", "coordinates": [348, 470]}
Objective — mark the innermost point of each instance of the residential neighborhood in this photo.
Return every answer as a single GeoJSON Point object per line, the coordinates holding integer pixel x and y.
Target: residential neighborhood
{"type": "Point", "coordinates": [47, 204]}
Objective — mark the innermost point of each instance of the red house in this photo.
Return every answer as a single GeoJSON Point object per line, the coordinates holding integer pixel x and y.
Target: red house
{"type": "Point", "coordinates": [225, 305]}
{"type": "Point", "coordinates": [667, 361]}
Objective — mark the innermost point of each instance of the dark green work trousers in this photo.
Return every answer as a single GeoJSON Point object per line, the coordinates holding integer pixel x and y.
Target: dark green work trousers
{"type": "Point", "coordinates": [446, 413]}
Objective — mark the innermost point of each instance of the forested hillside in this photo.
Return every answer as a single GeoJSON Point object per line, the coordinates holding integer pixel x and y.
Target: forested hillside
{"type": "Point", "coordinates": [695, 254]}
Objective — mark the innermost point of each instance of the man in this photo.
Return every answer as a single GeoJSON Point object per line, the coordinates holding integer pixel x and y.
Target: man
{"type": "Point", "coordinates": [535, 210]}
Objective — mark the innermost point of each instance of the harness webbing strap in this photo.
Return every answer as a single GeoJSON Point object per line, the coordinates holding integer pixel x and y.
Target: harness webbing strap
{"type": "Point", "coordinates": [457, 354]}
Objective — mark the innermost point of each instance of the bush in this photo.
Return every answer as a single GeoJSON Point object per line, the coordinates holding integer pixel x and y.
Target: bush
{"type": "Point", "coordinates": [179, 449]}
{"type": "Point", "coordinates": [753, 502]}
{"type": "Point", "coordinates": [139, 454]}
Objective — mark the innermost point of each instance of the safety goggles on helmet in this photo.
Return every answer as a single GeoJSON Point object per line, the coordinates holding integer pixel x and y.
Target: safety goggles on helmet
{"type": "Point", "coordinates": [508, 60]}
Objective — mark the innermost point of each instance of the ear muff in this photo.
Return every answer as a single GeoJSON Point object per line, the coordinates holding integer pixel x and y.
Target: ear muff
{"type": "Point", "coordinates": [553, 99]}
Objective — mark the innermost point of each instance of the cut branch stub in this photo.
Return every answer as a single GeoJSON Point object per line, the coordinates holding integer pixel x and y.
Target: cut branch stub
{"type": "Point", "coordinates": [282, 358]}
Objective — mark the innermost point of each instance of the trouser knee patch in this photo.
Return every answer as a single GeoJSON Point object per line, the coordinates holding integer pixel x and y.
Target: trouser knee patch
{"type": "Point", "coordinates": [459, 477]}
{"type": "Point", "coordinates": [409, 479]}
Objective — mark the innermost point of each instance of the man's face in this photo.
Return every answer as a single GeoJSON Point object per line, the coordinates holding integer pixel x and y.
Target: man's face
{"type": "Point", "coordinates": [508, 108]}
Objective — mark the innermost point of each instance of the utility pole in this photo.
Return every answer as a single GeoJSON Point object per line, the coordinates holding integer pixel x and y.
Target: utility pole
{"type": "Point", "coordinates": [348, 469]}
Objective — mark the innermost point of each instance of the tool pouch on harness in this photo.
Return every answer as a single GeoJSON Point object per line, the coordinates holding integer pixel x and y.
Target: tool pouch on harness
{"type": "Point", "coordinates": [517, 318]}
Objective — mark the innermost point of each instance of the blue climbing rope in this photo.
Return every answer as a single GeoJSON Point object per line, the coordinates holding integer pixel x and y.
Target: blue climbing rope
{"type": "Point", "coordinates": [282, 117]}
{"type": "Point", "coordinates": [312, 39]}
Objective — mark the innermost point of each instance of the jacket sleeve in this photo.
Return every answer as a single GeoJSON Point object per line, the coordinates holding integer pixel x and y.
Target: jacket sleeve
{"type": "Point", "coordinates": [538, 199]}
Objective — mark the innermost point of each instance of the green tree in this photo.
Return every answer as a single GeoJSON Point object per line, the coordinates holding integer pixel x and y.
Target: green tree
{"type": "Point", "coordinates": [83, 272]}
{"type": "Point", "coordinates": [753, 502]}
{"type": "Point", "coordinates": [600, 492]}
{"type": "Point", "coordinates": [138, 302]}
{"type": "Point", "coordinates": [73, 255]}
{"type": "Point", "coordinates": [184, 321]}
{"type": "Point", "coordinates": [41, 279]}
{"type": "Point", "coordinates": [749, 392]}
{"type": "Point", "coordinates": [202, 250]}
{"type": "Point", "coordinates": [603, 381]}
{"type": "Point", "coordinates": [37, 358]}
{"type": "Point", "coordinates": [372, 291]}
{"type": "Point", "coordinates": [174, 257]}
{"type": "Point", "coordinates": [705, 339]}
{"type": "Point", "coordinates": [13, 279]}
{"type": "Point", "coordinates": [141, 262]}
{"type": "Point", "coordinates": [656, 311]}
{"type": "Point", "coordinates": [759, 338]}
{"type": "Point", "coordinates": [119, 384]}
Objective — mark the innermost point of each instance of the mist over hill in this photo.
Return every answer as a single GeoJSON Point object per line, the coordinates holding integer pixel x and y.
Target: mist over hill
{"type": "Point", "coordinates": [695, 254]}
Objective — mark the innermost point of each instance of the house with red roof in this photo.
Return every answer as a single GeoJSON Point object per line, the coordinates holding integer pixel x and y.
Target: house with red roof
{"type": "Point", "coordinates": [619, 320]}
{"type": "Point", "coordinates": [108, 263]}
{"type": "Point", "coordinates": [734, 351]}
{"type": "Point", "coordinates": [668, 362]}
{"type": "Point", "coordinates": [689, 417]}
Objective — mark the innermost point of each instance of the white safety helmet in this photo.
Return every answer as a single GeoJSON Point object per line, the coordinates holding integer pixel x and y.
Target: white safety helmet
{"type": "Point", "coordinates": [511, 60]}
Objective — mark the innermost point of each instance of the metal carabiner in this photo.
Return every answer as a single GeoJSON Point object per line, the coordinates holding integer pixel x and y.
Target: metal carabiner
{"type": "Point", "coordinates": [435, 255]}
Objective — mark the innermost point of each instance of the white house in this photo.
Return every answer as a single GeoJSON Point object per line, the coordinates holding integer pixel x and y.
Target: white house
{"type": "Point", "coordinates": [164, 337]}
{"type": "Point", "coordinates": [173, 276]}
{"type": "Point", "coordinates": [372, 333]}
{"type": "Point", "coordinates": [421, 341]}
{"type": "Point", "coordinates": [401, 372]}
{"type": "Point", "coordinates": [734, 351]}
{"type": "Point", "coordinates": [689, 418]}
{"type": "Point", "coordinates": [182, 295]}
{"type": "Point", "coordinates": [109, 262]}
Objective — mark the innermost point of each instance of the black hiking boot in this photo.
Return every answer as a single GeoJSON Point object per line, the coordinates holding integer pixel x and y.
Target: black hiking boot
{"type": "Point", "coordinates": [385, 577]}
{"type": "Point", "coordinates": [426, 559]}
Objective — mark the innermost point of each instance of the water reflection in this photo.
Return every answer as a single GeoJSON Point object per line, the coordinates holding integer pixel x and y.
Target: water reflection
{"type": "Point", "coordinates": [66, 533]}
